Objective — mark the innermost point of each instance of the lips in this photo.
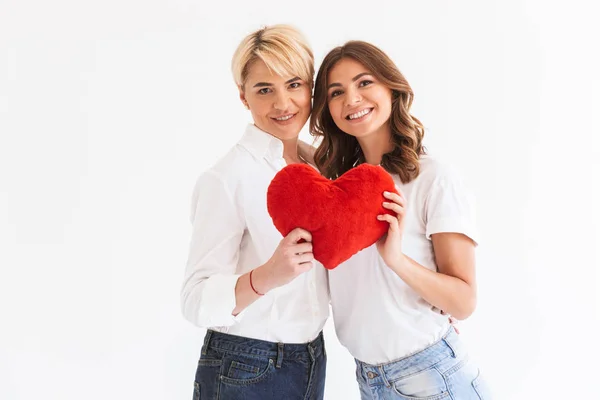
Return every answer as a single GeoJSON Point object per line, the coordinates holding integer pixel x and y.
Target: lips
{"type": "Point", "coordinates": [359, 114]}
{"type": "Point", "coordinates": [285, 119]}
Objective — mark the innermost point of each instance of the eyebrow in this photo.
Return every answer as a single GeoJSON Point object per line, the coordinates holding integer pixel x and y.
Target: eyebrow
{"type": "Point", "coordinates": [357, 77]}
{"type": "Point", "coordinates": [263, 84]}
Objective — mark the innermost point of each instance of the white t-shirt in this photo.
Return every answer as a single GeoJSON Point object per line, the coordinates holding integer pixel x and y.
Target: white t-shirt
{"type": "Point", "coordinates": [377, 316]}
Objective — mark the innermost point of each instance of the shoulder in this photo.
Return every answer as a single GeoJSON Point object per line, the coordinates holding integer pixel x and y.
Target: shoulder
{"type": "Point", "coordinates": [436, 170]}
{"type": "Point", "coordinates": [231, 168]}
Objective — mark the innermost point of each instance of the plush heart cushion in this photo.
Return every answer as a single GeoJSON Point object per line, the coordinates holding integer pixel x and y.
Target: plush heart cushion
{"type": "Point", "coordinates": [340, 214]}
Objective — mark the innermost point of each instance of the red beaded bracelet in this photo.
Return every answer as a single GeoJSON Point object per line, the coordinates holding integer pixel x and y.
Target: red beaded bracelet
{"type": "Point", "coordinates": [252, 286]}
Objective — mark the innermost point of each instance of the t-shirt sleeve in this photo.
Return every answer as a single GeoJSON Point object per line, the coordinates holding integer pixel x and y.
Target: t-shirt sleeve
{"type": "Point", "coordinates": [450, 206]}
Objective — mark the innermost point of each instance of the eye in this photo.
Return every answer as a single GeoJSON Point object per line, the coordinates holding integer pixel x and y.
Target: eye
{"type": "Point", "coordinates": [295, 85]}
{"type": "Point", "coordinates": [335, 93]}
{"type": "Point", "coordinates": [264, 91]}
{"type": "Point", "coordinates": [364, 83]}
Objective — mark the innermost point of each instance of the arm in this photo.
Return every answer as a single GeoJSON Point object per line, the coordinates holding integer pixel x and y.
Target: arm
{"type": "Point", "coordinates": [289, 260]}
{"type": "Point", "coordinates": [450, 226]}
{"type": "Point", "coordinates": [208, 295]}
{"type": "Point", "coordinates": [244, 294]}
{"type": "Point", "coordinates": [453, 287]}
{"type": "Point", "coordinates": [212, 293]}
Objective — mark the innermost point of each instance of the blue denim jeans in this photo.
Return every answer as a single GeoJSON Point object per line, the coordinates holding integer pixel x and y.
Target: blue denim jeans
{"type": "Point", "coordinates": [441, 371]}
{"type": "Point", "coordinates": [234, 367]}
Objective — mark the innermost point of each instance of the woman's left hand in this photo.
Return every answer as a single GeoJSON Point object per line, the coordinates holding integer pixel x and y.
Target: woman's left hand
{"type": "Point", "coordinates": [390, 245]}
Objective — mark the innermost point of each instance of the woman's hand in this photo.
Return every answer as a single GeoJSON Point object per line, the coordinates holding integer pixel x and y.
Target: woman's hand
{"type": "Point", "coordinates": [292, 257]}
{"type": "Point", "coordinates": [390, 245]}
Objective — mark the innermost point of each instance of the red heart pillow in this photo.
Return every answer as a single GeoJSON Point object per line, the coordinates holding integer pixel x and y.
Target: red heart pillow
{"type": "Point", "coordinates": [340, 214]}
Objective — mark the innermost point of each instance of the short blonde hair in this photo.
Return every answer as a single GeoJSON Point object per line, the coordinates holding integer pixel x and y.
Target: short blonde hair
{"type": "Point", "coordinates": [282, 48]}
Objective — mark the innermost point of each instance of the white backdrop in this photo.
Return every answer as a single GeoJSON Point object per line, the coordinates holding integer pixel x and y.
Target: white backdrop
{"type": "Point", "coordinates": [110, 109]}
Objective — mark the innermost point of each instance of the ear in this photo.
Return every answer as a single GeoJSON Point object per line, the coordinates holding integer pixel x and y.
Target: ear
{"type": "Point", "coordinates": [243, 97]}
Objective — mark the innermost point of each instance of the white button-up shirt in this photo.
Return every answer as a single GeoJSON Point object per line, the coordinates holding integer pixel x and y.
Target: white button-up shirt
{"type": "Point", "coordinates": [377, 316]}
{"type": "Point", "coordinates": [233, 234]}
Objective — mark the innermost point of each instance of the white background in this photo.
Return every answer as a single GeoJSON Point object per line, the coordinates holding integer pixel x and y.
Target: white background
{"type": "Point", "coordinates": [110, 109]}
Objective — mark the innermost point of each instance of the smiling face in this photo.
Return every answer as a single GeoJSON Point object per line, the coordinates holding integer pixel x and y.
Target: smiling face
{"type": "Point", "coordinates": [279, 105]}
{"type": "Point", "coordinates": [359, 104]}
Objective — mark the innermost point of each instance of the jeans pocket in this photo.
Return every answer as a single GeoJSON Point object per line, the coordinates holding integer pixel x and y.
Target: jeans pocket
{"type": "Point", "coordinates": [239, 370]}
{"type": "Point", "coordinates": [196, 391]}
{"type": "Point", "coordinates": [246, 370]}
{"type": "Point", "coordinates": [428, 384]}
{"type": "Point", "coordinates": [207, 378]}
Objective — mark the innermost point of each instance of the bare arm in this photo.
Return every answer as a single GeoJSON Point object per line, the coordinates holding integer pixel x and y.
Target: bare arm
{"type": "Point", "coordinates": [451, 289]}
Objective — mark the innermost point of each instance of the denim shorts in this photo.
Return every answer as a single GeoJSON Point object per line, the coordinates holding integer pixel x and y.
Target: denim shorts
{"type": "Point", "coordinates": [442, 371]}
{"type": "Point", "coordinates": [234, 367]}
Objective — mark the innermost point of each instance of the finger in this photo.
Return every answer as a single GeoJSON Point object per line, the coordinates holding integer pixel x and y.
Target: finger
{"type": "Point", "coordinates": [299, 234]}
{"type": "Point", "coordinates": [398, 209]}
{"type": "Point", "coordinates": [304, 258]}
{"type": "Point", "coordinates": [307, 266]}
{"type": "Point", "coordinates": [393, 221]}
{"type": "Point", "coordinates": [300, 248]}
{"type": "Point", "coordinates": [395, 197]}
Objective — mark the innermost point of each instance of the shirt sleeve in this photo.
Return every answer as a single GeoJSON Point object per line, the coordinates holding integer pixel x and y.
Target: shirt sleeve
{"type": "Point", "coordinates": [450, 207]}
{"type": "Point", "coordinates": [208, 292]}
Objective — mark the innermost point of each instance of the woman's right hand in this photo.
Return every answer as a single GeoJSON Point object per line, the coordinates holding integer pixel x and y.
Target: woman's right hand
{"type": "Point", "coordinates": [289, 260]}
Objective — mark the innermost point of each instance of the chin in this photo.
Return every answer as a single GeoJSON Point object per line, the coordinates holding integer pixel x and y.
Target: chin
{"type": "Point", "coordinates": [288, 132]}
{"type": "Point", "coordinates": [353, 131]}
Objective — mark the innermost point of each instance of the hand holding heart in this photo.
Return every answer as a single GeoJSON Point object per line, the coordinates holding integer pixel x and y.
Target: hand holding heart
{"type": "Point", "coordinates": [390, 245]}
{"type": "Point", "coordinates": [292, 257]}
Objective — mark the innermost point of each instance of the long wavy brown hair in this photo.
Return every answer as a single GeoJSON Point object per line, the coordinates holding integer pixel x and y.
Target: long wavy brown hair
{"type": "Point", "coordinates": [339, 151]}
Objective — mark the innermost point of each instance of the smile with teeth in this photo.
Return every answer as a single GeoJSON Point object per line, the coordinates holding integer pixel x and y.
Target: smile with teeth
{"type": "Point", "coordinates": [284, 117]}
{"type": "Point", "coordinates": [359, 114]}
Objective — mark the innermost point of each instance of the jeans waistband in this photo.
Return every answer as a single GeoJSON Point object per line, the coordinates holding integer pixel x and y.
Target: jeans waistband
{"type": "Point", "coordinates": [262, 348]}
{"type": "Point", "coordinates": [448, 346]}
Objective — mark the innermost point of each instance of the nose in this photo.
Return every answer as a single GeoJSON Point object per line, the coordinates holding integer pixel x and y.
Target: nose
{"type": "Point", "coordinates": [352, 96]}
{"type": "Point", "coordinates": [282, 101]}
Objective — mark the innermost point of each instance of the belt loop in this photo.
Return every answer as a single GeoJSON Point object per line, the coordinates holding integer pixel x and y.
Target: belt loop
{"type": "Point", "coordinates": [311, 352]}
{"type": "Point", "coordinates": [360, 370]}
{"type": "Point", "coordinates": [279, 355]}
{"type": "Point", "coordinates": [450, 347]}
{"type": "Point", "coordinates": [206, 341]}
{"type": "Point", "coordinates": [384, 377]}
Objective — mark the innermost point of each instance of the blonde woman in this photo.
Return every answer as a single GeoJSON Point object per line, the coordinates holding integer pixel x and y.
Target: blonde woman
{"type": "Point", "coordinates": [263, 299]}
{"type": "Point", "coordinates": [387, 300]}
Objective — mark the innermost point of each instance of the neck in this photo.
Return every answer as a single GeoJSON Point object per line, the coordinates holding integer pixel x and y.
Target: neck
{"type": "Point", "coordinates": [290, 147]}
{"type": "Point", "coordinates": [376, 144]}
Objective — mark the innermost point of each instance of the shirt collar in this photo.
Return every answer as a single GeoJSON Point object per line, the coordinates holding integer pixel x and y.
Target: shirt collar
{"type": "Point", "coordinates": [260, 143]}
